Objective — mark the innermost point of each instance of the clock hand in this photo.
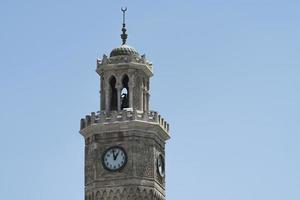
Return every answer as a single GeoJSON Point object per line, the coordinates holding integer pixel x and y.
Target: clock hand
{"type": "Point", "coordinates": [116, 155]}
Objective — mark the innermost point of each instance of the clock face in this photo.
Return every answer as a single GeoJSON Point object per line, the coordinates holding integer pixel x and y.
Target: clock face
{"type": "Point", "coordinates": [114, 158]}
{"type": "Point", "coordinates": [161, 165]}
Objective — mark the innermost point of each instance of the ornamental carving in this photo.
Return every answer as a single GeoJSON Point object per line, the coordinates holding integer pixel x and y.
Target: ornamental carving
{"type": "Point", "coordinates": [144, 159]}
{"type": "Point", "coordinates": [127, 193]}
{"type": "Point", "coordinates": [123, 59]}
{"type": "Point", "coordinates": [90, 168]}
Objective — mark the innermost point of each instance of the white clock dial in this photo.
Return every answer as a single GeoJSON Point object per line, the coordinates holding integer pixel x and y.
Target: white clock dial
{"type": "Point", "coordinates": [114, 158]}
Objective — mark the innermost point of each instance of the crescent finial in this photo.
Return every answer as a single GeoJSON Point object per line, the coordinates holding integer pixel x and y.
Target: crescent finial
{"type": "Point", "coordinates": [124, 35]}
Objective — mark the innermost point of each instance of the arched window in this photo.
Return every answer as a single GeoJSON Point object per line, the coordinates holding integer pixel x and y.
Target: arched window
{"type": "Point", "coordinates": [125, 92]}
{"type": "Point", "coordinates": [98, 195]}
{"type": "Point", "coordinates": [113, 94]}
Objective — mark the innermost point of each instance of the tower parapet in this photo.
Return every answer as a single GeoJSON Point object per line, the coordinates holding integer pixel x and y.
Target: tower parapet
{"type": "Point", "coordinates": [101, 117]}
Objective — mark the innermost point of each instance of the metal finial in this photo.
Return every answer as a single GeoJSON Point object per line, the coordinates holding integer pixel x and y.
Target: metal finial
{"type": "Point", "coordinates": [124, 35]}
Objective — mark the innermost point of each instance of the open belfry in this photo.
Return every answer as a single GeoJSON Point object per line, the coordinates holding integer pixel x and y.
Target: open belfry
{"type": "Point", "coordinates": [125, 140]}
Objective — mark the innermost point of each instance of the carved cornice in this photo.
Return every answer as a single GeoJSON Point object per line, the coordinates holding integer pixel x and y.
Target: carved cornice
{"type": "Point", "coordinates": [127, 62]}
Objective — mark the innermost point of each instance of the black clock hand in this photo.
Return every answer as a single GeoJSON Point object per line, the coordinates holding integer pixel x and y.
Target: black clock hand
{"type": "Point", "coordinates": [116, 155]}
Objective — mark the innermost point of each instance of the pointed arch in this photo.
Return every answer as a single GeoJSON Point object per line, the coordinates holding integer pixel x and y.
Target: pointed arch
{"type": "Point", "coordinates": [98, 195]}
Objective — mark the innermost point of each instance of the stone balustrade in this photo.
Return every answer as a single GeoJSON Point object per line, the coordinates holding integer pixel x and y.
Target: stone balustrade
{"type": "Point", "coordinates": [124, 115]}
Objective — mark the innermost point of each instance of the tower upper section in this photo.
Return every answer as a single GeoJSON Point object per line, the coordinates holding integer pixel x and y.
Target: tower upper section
{"type": "Point", "coordinates": [124, 88]}
{"type": "Point", "coordinates": [125, 77]}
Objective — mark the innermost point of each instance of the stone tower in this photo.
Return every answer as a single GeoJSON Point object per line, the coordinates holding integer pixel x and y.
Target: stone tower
{"type": "Point", "coordinates": [125, 140]}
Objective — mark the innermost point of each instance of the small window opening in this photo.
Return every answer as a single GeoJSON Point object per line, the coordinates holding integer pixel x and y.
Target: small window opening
{"type": "Point", "coordinates": [113, 94]}
{"type": "Point", "coordinates": [125, 93]}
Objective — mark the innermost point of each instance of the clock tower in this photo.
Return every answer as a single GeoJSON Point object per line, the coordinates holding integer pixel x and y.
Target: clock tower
{"type": "Point", "coordinates": [125, 140]}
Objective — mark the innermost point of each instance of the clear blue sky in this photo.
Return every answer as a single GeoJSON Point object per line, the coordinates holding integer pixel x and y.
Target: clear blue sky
{"type": "Point", "coordinates": [226, 79]}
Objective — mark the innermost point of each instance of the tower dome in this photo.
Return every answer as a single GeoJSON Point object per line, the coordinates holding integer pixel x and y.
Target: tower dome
{"type": "Point", "coordinates": [124, 50]}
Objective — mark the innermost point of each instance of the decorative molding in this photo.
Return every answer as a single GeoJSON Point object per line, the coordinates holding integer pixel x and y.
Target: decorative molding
{"type": "Point", "coordinates": [125, 193]}
{"type": "Point", "coordinates": [144, 159]}
{"type": "Point", "coordinates": [123, 59]}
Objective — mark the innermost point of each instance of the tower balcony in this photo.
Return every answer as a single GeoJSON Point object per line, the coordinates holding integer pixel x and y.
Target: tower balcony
{"type": "Point", "coordinates": [127, 115]}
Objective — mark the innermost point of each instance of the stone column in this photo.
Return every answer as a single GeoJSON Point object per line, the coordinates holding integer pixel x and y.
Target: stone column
{"type": "Point", "coordinates": [130, 87]}
{"type": "Point", "coordinates": [119, 88]}
{"type": "Point", "coordinates": [101, 92]}
{"type": "Point", "coordinates": [107, 98]}
{"type": "Point", "coordinates": [148, 94]}
{"type": "Point", "coordinates": [141, 97]}
{"type": "Point", "coordinates": [147, 97]}
{"type": "Point", "coordinates": [144, 100]}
